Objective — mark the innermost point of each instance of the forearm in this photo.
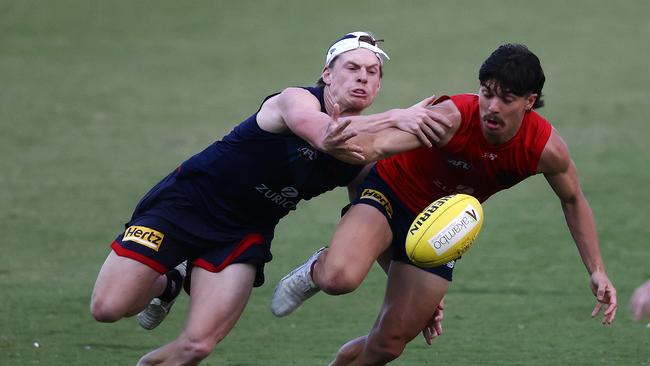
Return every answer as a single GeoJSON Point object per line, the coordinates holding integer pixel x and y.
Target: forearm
{"type": "Point", "coordinates": [582, 226]}
{"type": "Point", "coordinates": [374, 122]}
{"type": "Point", "coordinates": [380, 145]}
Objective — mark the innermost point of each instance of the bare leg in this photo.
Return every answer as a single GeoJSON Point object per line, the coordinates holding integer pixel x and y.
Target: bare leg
{"type": "Point", "coordinates": [349, 351]}
{"type": "Point", "coordinates": [412, 296]}
{"type": "Point", "coordinates": [360, 237]}
{"type": "Point", "coordinates": [216, 303]}
{"type": "Point", "coordinates": [123, 288]}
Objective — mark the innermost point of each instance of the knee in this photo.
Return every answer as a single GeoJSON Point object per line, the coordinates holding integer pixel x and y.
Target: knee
{"type": "Point", "coordinates": [346, 355]}
{"type": "Point", "coordinates": [195, 350]}
{"type": "Point", "coordinates": [386, 349]}
{"type": "Point", "coordinates": [338, 280]}
{"type": "Point", "coordinates": [103, 312]}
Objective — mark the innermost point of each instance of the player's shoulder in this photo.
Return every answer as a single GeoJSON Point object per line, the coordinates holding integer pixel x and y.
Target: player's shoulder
{"type": "Point", "coordinates": [465, 104]}
{"type": "Point", "coordinates": [536, 117]}
{"type": "Point", "coordinates": [555, 157]}
{"type": "Point", "coordinates": [299, 95]}
{"type": "Point", "coordinates": [469, 98]}
{"type": "Point", "coordinates": [459, 109]}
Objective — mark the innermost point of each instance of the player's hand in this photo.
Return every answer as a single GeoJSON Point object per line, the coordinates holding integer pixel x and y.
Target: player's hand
{"type": "Point", "coordinates": [434, 327]}
{"type": "Point", "coordinates": [605, 294]}
{"type": "Point", "coordinates": [640, 301]}
{"type": "Point", "coordinates": [335, 140]}
{"type": "Point", "coordinates": [428, 125]}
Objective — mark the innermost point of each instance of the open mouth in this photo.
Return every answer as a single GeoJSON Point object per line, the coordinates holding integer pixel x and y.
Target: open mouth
{"type": "Point", "coordinates": [492, 123]}
{"type": "Point", "coordinates": [359, 92]}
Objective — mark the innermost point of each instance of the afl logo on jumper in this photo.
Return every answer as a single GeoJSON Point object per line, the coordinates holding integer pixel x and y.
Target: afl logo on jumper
{"type": "Point", "coordinates": [306, 153]}
{"type": "Point", "coordinates": [460, 164]}
{"type": "Point", "coordinates": [143, 235]}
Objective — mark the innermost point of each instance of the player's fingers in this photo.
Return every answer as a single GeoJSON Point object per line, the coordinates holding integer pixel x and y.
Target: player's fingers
{"type": "Point", "coordinates": [437, 326]}
{"type": "Point", "coordinates": [355, 152]}
{"type": "Point", "coordinates": [344, 136]}
{"type": "Point", "coordinates": [436, 130]}
{"type": "Point", "coordinates": [439, 317]}
{"type": "Point", "coordinates": [428, 132]}
{"type": "Point", "coordinates": [610, 314]}
{"type": "Point", "coordinates": [353, 148]}
{"type": "Point", "coordinates": [423, 137]}
{"type": "Point", "coordinates": [613, 303]}
{"type": "Point", "coordinates": [427, 101]}
{"type": "Point", "coordinates": [596, 309]}
{"type": "Point", "coordinates": [339, 127]}
{"type": "Point", "coordinates": [439, 118]}
{"type": "Point", "coordinates": [426, 333]}
{"type": "Point", "coordinates": [600, 293]}
{"type": "Point", "coordinates": [336, 112]}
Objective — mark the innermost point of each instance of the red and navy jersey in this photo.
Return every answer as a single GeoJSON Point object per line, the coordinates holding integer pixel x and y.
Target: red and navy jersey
{"type": "Point", "coordinates": [467, 163]}
{"type": "Point", "coordinates": [246, 181]}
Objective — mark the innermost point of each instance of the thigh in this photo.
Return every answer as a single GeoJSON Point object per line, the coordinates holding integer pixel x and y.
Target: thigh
{"type": "Point", "coordinates": [217, 301]}
{"type": "Point", "coordinates": [412, 296]}
{"type": "Point", "coordinates": [360, 237]}
{"type": "Point", "coordinates": [123, 282]}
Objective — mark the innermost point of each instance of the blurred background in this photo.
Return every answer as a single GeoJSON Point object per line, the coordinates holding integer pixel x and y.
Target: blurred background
{"type": "Point", "coordinates": [99, 100]}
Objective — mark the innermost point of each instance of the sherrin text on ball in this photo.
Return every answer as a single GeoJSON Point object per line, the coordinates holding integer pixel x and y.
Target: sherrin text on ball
{"type": "Point", "coordinates": [444, 230]}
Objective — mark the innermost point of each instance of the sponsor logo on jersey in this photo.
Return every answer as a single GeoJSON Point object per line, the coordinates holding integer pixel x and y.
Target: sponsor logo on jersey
{"type": "Point", "coordinates": [143, 235]}
{"type": "Point", "coordinates": [451, 264]}
{"type": "Point", "coordinates": [289, 192]}
{"type": "Point", "coordinates": [279, 198]}
{"type": "Point", "coordinates": [379, 197]}
{"type": "Point", "coordinates": [457, 229]}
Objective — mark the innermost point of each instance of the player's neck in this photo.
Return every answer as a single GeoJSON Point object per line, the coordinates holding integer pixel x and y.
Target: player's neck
{"type": "Point", "coordinates": [329, 100]}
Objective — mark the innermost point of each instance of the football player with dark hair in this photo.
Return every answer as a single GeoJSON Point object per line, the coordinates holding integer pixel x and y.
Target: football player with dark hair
{"type": "Point", "coordinates": [497, 140]}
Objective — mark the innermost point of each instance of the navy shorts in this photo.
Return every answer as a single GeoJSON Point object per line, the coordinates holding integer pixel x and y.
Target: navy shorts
{"type": "Point", "coordinates": [376, 193]}
{"type": "Point", "coordinates": [160, 245]}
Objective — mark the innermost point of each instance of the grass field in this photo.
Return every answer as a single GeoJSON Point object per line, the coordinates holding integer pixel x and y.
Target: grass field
{"type": "Point", "coordinates": [99, 100]}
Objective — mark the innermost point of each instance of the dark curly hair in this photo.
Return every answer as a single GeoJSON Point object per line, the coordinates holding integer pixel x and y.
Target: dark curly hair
{"type": "Point", "coordinates": [513, 68]}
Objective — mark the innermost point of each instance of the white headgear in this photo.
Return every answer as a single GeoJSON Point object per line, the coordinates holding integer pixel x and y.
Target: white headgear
{"type": "Point", "coordinates": [352, 41]}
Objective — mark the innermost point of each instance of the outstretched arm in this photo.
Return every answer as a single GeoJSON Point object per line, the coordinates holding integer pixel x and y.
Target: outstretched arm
{"type": "Point", "coordinates": [561, 174]}
{"type": "Point", "coordinates": [297, 110]}
{"type": "Point", "coordinates": [392, 141]}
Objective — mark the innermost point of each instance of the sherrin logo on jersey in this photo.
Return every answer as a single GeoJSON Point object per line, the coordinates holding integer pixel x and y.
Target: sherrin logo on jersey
{"type": "Point", "coordinates": [379, 197]}
{"type": "Point", "coordinates": [143, 235]}
{"type": "Point", "coordinates": [444, 230]}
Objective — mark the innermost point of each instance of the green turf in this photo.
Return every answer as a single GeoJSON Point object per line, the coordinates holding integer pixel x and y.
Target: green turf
{"type": "Point", "coordinates": [98, 100]}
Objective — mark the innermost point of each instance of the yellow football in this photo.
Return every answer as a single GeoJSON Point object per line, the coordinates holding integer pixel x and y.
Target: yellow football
{"type": "Point", "coordinates": [444, 230]}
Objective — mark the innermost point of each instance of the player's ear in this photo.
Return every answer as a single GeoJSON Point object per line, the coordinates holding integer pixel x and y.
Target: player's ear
{"type": "Point", "coordinates": [530, 101]}
{"type": "Point", "coordinates": [326, 75]}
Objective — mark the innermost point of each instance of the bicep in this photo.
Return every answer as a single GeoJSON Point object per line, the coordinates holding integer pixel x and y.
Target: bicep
{"type": "Point", "coordinates": [301, 112]}
{"type": "Point", "coordinates": [559, 170]}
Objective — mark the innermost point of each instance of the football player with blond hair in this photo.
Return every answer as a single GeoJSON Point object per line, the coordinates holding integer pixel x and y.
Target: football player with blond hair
{"type": "Point", "coordinates": [214, 216]}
